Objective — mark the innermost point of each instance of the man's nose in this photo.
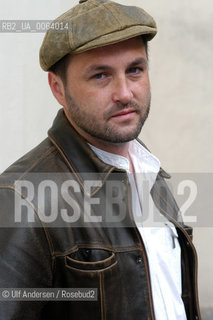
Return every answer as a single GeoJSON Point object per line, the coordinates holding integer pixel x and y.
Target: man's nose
{"type": "Point", "coordinates": [122, 91]}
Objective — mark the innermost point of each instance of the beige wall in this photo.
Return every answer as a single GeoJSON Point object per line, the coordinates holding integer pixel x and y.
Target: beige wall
{"type": "Point", "coordinates": [179, 130]}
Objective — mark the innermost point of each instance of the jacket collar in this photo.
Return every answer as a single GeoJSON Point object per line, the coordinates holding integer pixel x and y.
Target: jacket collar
{"type": "Point", "coordinates": [76, 152]}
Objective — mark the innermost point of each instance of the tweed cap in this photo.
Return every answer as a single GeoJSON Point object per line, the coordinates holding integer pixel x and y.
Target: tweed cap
{"type": "Point", "coordinates": [92, 24]}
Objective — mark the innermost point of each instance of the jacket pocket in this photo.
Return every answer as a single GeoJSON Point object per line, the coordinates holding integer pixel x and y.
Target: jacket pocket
{"type": "Point", "coordinates": [91, 260]}
{"type": "Point", "coordinates": [96, 269]}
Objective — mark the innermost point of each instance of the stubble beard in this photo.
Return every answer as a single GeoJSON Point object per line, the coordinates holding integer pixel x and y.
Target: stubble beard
{"type": "Point", "coordinates": [107, 132]}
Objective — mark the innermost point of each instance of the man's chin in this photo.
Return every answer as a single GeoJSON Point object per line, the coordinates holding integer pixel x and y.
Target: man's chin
{"type": "Point", "coordinates": [122, 137]}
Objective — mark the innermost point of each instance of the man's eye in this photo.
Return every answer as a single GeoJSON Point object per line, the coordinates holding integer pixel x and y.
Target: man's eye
{"type": "Point", "coordinates": [135, 70]}
{"type": "Point", "coordinates": [99, 76]}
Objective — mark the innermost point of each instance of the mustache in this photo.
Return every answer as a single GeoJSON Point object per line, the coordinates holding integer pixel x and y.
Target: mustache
{"type": "Point", "coordinates": [119, 107]}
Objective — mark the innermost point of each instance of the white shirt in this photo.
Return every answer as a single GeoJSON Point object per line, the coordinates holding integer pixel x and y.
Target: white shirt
{"type": "Point", "coordinates": [160, 238]}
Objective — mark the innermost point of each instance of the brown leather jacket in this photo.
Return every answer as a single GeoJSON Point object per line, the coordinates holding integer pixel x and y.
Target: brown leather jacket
{"type": "Point", "coordinates": [109, 256]}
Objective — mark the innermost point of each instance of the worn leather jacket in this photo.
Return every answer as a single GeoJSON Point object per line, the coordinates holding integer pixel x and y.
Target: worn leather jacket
{"type": "Point", "coordinates": [36, 253]}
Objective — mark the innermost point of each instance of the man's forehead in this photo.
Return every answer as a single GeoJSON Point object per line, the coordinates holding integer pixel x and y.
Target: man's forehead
{"type": "Point", "coordinates": [134, 48]}
{"type": "Point", "coordinates": [126, 45]}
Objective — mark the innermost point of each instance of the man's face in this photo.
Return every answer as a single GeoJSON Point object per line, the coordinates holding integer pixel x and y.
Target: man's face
{"type": "Point", "coordinates": [108, 91]}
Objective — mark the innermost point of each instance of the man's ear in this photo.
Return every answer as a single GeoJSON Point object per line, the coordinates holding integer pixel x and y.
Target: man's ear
{"type": "Point", "coordinates": [57, 87]}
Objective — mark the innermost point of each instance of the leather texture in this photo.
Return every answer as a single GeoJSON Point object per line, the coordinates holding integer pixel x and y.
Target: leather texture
{"type": "Point", "coordinates": [107, 256]}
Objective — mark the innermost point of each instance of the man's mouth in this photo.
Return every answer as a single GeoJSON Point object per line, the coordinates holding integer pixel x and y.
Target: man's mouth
{"type": "Point", "coordinates": [124, 114]}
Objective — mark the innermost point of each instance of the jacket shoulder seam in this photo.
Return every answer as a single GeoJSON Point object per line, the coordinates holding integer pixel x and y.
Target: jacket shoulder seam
{"type": "Point", "coordinates": [46, 153]}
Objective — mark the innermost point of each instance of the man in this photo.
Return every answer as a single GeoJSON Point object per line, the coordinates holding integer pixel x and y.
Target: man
{"type": "Point", "coordinates": [75, 211]}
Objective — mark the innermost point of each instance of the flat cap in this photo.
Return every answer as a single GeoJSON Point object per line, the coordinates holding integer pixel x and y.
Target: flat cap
{"type": "Point", "coordinates": [92, 24]}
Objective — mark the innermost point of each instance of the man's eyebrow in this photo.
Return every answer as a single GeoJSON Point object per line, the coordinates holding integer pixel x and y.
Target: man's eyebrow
{"type": "Point", "coordinates": [97, 67]}
{"type": "Point", "coordinates": [100, 67]}
{"type": "Point", "coordinates": [139, 61]}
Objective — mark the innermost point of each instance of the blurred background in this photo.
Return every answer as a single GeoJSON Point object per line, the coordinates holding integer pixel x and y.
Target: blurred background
{"type": "Point", "coordinates": [179, 129]}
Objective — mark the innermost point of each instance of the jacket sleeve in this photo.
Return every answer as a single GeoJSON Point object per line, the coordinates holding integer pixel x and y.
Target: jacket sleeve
{"type": "Point", "coordinates": [25, 260]}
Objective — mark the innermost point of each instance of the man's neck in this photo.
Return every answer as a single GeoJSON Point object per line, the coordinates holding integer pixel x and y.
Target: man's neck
{"type": "Point", "coordinates": [121, 149]}
{"type": "Point", "coordinates": [118, 149]}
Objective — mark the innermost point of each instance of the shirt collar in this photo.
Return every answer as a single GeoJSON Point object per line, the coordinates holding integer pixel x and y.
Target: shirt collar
{"type": "Point", "coordinates": [111, 158]}
{"type": "Point", "coordinates": [142, 159]}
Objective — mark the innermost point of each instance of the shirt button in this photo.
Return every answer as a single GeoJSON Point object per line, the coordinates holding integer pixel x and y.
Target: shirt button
{"type": "Point", "coordinates": [139, 259]}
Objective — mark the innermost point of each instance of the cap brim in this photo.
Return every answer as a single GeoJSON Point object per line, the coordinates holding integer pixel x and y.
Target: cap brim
{"type": "Point", "coordinates": [118, 36]}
